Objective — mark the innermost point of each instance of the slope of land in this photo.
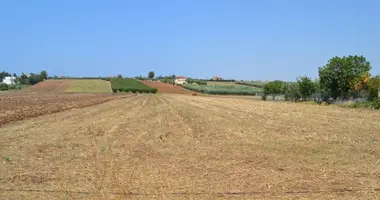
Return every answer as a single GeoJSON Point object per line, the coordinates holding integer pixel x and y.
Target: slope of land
{"type": "Point", "coordinates": [89, 86]}
{"type": "Point", "coordinates": [130, 85]}
{"type": "Point", "coordinates": [167, 88]}
{"type": "Point", "coordinates": [50, 86]}
{"type": "Point", "coordinates": [221, 83]}
{"type": "Point", "coordinates": [184, 147]}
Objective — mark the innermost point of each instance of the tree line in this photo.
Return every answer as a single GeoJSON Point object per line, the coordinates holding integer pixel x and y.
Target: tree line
{"type": "Point", "coordinates": [341, 78]}
{"type": "Point", "coordinates": [23, 79]}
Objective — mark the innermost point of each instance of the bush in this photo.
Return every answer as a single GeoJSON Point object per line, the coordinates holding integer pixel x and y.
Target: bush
{"type": "Point", "coordinates": [264, 97]}
{"type": "Point", "coordinates": [114, 90]}
{"type": "Point", "coordinates": [375, 104]}
{"type": "Point", "coordinates": [3, 87]}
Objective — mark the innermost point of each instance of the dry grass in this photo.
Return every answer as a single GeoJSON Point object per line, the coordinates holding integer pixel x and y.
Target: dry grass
{"type": "Point", "coordinates": [89, 86]}
{"type": "Point", "coordinates": [185, 147]}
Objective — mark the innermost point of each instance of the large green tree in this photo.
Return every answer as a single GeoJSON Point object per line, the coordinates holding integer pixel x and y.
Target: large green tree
{"type": "Point", "coordinates": [151, 74]}
{"type": "Point", "coordinates": [338, 75]}
{"type": "Point", "coordinates": [306, 87]}
{"type": "Point", "coordinates": [273, 88]}
{"type": "Point", "coordinates": [43, 75]}
{"type": "Point", "coordinates": [373, 88]}
{"type": "Point", "coordinates": [291, 91]}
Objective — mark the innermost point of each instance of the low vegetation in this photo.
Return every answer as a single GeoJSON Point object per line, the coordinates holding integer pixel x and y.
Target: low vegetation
{"type": "Point", "coordinates": [221, 83]}
{"type": "Point", "coordinates": [342, 80]}
{"type": "Point", "coordinates": [130, 85]}
{"type": "Point", "coordinates": [223, 89]}
{"type": "Point", "coordinates": [90, 86]}
{"type": "Point", "coordinates": [196, 81]}
{"type": "Point", "coordinates": [259, 84]}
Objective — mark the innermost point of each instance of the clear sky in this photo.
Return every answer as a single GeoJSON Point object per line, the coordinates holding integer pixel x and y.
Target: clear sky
{"type": "Point", "coordinates": [240, 39]}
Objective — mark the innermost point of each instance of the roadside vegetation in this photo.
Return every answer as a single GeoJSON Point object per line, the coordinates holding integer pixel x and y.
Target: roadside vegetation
{"type": "Point", "coordinates": [90, 86]}
{"type": "Point", "coordinates": [130, 85]}
{"type": "Point", "coordinates": [342, 80]}
{"type": "Point", "coordinates": [223, 89]}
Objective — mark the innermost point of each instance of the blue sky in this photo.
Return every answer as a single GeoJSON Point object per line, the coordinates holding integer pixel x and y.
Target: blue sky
{"type": "Point", "coordinates": [240, 39]}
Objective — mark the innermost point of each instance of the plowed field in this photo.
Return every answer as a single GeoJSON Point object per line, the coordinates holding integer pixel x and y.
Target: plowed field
{"type": "Point", "coordinates": [167, 88]}
{"type": "Point", "coordinates": [24, 105]}
{"type": "Point", "coordinates": [184, 147]}
{"type": "Point", "coordinates": [51, 86]}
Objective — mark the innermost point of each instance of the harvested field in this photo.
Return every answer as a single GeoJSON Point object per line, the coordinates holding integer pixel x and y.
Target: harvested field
{"type": "Point", "coordinates": [185, 147]}
{"type": "Point", "coordinates": [167, 88]}
{"type": "Point", "coordinates": [24, 105]}
{"type": "Point", "coordinates": [89, 86]}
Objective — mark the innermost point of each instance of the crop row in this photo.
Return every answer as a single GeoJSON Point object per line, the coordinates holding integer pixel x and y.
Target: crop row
{"type": "Point", "coordinates": [258, 84]}
{"type": "Point", "coordinates": [130, 85]}
{"type": "Point", "coordinates": [224, 89]}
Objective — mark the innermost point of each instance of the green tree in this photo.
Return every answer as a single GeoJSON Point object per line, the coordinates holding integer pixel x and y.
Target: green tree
{"type": "Point", "coordinates": [151, 74]}
{"type": "Point", "coordinates": [14, 75]}
{"type": "Point", "coordinates": [273, 88]}
{"type": "Point", "coordinates": [119, 76]}
{"type": "Point", "coordinates": [306, 87]}
{"type": "Point", "coordinates": [373, 88]}
{"type": "Point", "coordinates": [34, 78]}
{"type": "Point", "coordinates": [291, 92]}
{"type": "Point", "coordinates": [24, 79]}
{"type": "Point", "coordinates": [43, 75]}
{"type": "Point", "coordinates": [338, 75]}
{"type": "Point", "coordinates": [3, 75]}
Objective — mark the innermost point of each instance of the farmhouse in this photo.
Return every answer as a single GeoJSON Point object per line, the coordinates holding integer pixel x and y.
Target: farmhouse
{"type": "Point", "coordinates": [9, 80]}
{"type": "Point", "coordinates": [180, 80]}
{"type": "Point", "coordinates": [216, 78]}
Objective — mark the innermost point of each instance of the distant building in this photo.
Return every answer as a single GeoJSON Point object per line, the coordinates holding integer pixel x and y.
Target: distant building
{"type": "Point", "coordinates": [180, 80]}
{"type": "Point", "coordinates": [216, 78]}
{"type": "Point", "coordinates": [9, 80]}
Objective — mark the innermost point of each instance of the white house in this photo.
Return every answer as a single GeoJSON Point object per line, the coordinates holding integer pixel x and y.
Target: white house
{"type": "Point", "coordinates": [180, 80]}
{"type": "Point", "coordinates": [9, 80]}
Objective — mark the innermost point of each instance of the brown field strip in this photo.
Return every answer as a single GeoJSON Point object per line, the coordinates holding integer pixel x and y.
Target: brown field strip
{"type": "Point", "coordinates": [18, 106]}
{"type": "Point", "coordinates": [167, 88]}
{"type": "Point", "coordinates": [186, 147]}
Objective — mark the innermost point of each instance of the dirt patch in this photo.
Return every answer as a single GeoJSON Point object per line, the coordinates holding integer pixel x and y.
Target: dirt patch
{"type": "Point", "coordinates": [24, 105]}
{"type": "Point", "coordinates": [167, 88]}
{"type": "Point", "coordinates": [50, 86]}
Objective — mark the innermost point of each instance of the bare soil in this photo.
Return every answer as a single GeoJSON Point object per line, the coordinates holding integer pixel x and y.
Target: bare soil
{"type": "Point", "coordinates": [18, 106]}
{"type": "Point", "coordinates": [186, 147]}
{"type": "Point", "coordinates": [167, 88]}
{"type": "Point", "coordinates": [51, 86]}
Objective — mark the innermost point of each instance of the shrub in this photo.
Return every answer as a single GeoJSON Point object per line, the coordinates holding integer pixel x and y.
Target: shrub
{"type": "Point", "coordinates": [264, 97]}
{"type": "Point", "coordinates": [3, 87]}
{"type": "Point", "coordinates": [114, 90]}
